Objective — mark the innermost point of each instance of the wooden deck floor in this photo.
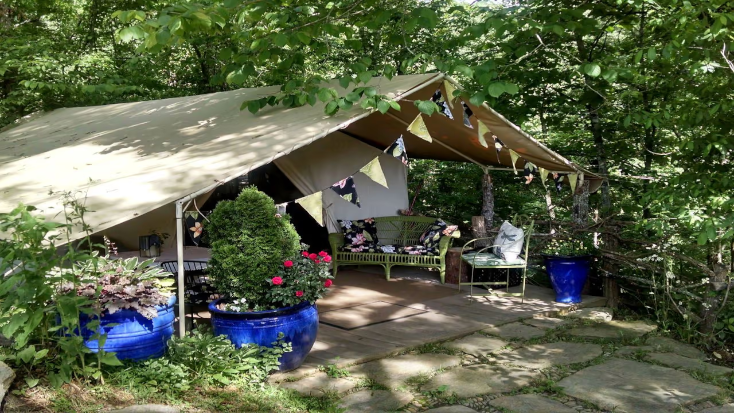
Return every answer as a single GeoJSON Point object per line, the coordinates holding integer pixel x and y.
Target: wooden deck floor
{"type": "Point", "coordinates": [444, 318]}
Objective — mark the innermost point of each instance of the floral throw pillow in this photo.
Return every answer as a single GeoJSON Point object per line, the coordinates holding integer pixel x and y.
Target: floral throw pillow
{"type": "Point", "coordinates": [433, 235]}
{"type": "Point", "coordinates": [359, 232]}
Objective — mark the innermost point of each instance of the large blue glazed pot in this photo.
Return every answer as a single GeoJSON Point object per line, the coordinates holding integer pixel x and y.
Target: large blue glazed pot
{"type": "Point", "coordinates": [568, 276]}
{"type": "Point", "coordinates": [299, 324]}
{"type": "Point", "coordinates": [134, 337]}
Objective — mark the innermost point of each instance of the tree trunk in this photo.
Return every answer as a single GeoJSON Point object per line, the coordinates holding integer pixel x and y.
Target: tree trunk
{"type": "Point", "coordinates": [549, 205]}
{"type": "Point", "coordinates": [581, 204]}
{"type": "Point", "coordinates": [487, 201]}
{"type": "Point", "coordinates": [710, 307]}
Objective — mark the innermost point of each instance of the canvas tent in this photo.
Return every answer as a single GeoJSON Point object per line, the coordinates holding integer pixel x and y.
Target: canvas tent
{"type": "Point", "coordinates": [155, 157]}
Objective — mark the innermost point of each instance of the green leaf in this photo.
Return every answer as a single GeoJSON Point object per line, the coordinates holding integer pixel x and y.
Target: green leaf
{"type": "Point", "coordinates": [557, 29]}
{"type": "Point", "coordinates": [702, 238]}
{"type": "Point", "coordinates": [370, 91]}
{"type": "Point", "coordinates": [253, 106]}
{"type": "Point", "coordinates": [364, 77]}
{"type": "Point", "coordinates": [331, 107]}
{"type": "Point", "coordinates": [592, 69]}
{"type": "Point", "coordinates": [638, 57]}
{"type": "Point", "coordinates": [109, 359]}
{"type": "Point", "coordinates": [426, 106]}
{"type": "Point", "coordinates": [31, 382]}
{"type": "Point", "coordinates": [652, 53]}
{"type": "Point", "coordinates": [477, 99]}
{"type": "Point", "coordinates": [324, 95]}
{"type": "Point", "coordinates": [345, 81]}
{"type": "Point", "coordinates": [353, 96]}
{"type": "Point", "coordinates": [303, 37]}
{"type": "Point", "coordinates": [496, 89]}
{"type": "Point", "coordinates": [383, 106]}
{"type": "Point", "coordinates": [511, 88]}
{"type": "Point", "coordinates": [280, 40]}
{"type": "Point", "coordinates": [131, 33]}
{"type": "Point", "coordinates": [395, 105]}
{"type": "Point", "coordinates": [464, 70]}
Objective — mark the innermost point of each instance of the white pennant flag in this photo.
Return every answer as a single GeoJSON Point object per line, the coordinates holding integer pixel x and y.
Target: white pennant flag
{"type": "Point", "coordinates": [449, 87]}
{"type": "Point", "coordinates": [313, 205]}
{"type": "Point", "coordinates": [419, 129]}
{"type": "Point", "coordinates": [543, 175]}
{"type": "Point", "coordinates": [514, 156]}
{"type": "Point", "coordinates": [482, 130]}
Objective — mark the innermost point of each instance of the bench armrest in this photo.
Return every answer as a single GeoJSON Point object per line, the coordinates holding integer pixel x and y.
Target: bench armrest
{"type": "Point", "coordinates": [336, 240]}
{"type": "Point", "coordinates": [445, 243]}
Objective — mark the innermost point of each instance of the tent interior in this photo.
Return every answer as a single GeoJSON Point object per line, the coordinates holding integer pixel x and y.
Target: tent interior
{"type": "Point", "coordinates": [133, 163]}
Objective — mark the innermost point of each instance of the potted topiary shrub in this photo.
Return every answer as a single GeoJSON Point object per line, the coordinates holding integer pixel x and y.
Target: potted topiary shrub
{"type": "Point", "coordinates": [271, 285]}
{"type": "Point", "coordinates": [568, 262]}
{"type": "Point", "coordinates": [134, 302]}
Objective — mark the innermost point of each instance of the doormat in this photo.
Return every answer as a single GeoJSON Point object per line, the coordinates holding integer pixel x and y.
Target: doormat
{"type": "Point", "coordinates": [364, 315]}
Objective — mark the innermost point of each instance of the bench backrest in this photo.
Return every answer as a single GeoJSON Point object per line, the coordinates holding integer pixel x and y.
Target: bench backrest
{"type": "Point", "coordinates": [402, 230]}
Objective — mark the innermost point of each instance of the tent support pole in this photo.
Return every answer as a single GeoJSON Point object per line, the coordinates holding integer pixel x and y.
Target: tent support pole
{"type": "Point", "coordinates": [180, 266]}
{"type": "Point", "coordinates": [443, 144]}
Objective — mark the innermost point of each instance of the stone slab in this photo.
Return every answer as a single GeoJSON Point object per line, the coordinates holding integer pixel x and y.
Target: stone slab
{"type": "Point", "coordinates": [593, 313]}
{"type": "Point", "coordinates": [685, 363]}
{"type": "Point", "coordinates": [542, 356]}
{"type": "Point", "coordinates": [665, 344]}
{"type": "Point", "coordinates": [378, 401]}
{"type": "Point", "coordinates": [477, 344]}
{"type": "Point", "coordinates": [614, 330]}
{"type": "Point", "coordinates": [392, 372]}
{"type": "Point", "coordinates": [452, 409]}
{"type": "Point", "coordinates": [515, 330]}
{"type": "Point", "coordinates": [729, 408]}
{"type": "Point", "coordinates": [546, 323]}
{"type": "Point", "coordinates": [7, 375]}
{"type": "Point", "coordinates": [147, 408]}
{"type": "Point", "coordinates": [319, 384]}
{"type": "Point", "coordinates": [630, 350]}
{"type": "Point", "coordinates": [634, 387]}
{"type": "Point", "coordinates": [531, 403]}
{"type": "Point", "coordinates": [481, 379]}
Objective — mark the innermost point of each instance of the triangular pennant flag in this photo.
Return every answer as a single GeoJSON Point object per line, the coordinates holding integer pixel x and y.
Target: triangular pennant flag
{"type": "Point", "coordinates": [558, 180]}
{"type": "Point", "coordinates": [313, 205]}
{"type": "Point", "coordinates": [529, 172]}
{"type": "Point", "coordinates": [194, 226]}
{"type": "Point", "coordinates": [543, 175]}
{"type": "Point", "coordinates": [514, 156]}
{"type": "Point", "coordinates": [572, 181]}
{"type": "Point", "coordinates": [449, 87]}
{"type": "Point", "coordinates": [397, 149]}
{"type": "Point", "coordinates": [482, 130]}
{"type": "Point", "coordinates": [419, 129]}
{"type": "Point", "coordinates": [347, 190]}
{"type": "Point", "coordinates": [281, 208]}
{"type": "Point", "coordinates": [374, 171]}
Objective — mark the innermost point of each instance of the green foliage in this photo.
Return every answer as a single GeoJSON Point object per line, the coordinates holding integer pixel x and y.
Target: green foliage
{"type": "Point", "coordinates": [249, 245]}
{"type": "Point", "coordinates": [570, 246]}
{"type": "Point", "coordinates": [333, 371]}
{"type": "Point", "coordinates": [305, 277]}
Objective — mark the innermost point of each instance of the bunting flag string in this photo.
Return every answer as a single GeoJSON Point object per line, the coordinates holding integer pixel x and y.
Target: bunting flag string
{"type": "Point", "coordinates": [529, 172]}
{"type": "Point", "coordinates": [397, 149]}
{"type": "Point", "coordinates": [347, 190]}
{"type": "Point", "coordinates": [313, 205]}
{"type": "Point", "coordinates": [482, 129]}
{"type": "Point", "coordinates": [419, 129]}
{"type": "Point", "coordinates": [514, 156]}
{"type": "Point", "coordinates": [374, 171]}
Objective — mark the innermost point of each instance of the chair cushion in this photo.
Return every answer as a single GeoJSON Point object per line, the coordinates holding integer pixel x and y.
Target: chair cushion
{"type": "Point", "coordinates": [509, 242]}
{"type": "Point", "coordinates": [419, 250]}
{"type": "Point", "coordinates": [390, 248]}
{"type": "Point", "coordinates": [433, 234]}
{"type": "Point", "coordinates": [359, 232]}
{"type": "Point", "coordinates": [487, 258]}
{"type": "Point", "coordinates": [365, 247]}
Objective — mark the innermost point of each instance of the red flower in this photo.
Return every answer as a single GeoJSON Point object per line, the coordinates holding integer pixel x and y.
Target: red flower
{"type": "Point", "coordinates": [305, 253]}
{"type": "Point", "coordinates": [313, 256]}
{"type": "Point", "coordinates": [327, 259]}
{"type": "Point", "coordinates": [328, 283]}
{"type": "Point", "coordinates": [288, 264]}
{"type": "Point", "coordinates": [317, 261]}
{"type": "Point", "coordinates": [299, 293]}
{"type": "Point", "coordinates": [323, 254]}
{"type": "Point", "coordinates": [277, 281]}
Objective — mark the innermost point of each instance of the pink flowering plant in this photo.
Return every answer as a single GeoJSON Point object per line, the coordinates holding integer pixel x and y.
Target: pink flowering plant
{"type": "Point", "coordinates": [305, 277]}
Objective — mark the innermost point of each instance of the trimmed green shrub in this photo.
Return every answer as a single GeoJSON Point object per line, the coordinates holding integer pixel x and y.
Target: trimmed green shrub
{"type": "Point", "coordinates": [249, 243]}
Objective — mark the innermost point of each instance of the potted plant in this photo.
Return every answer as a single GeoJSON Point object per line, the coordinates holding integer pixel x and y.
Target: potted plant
{"type": "Point", "coordinates": [567, 262]}
{"type": "Point", "coordinates": [135, 304]}
{"type": "Point", "coordinates": [271, 285]}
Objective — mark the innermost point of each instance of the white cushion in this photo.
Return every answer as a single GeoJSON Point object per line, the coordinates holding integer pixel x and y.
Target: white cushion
{"type": "Point", "coordinates": [509, 242]}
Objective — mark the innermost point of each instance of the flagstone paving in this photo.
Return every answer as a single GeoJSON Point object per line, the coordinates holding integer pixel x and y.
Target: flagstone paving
{"type": "Point", "coordinates": [631, 350]}
{"type": "Point", "coordinates": [719, 409]}
{"type": "Point", "coordinates": [147, 408]}
{"type": "Point", "coordinates": [531, 403]}
{"type": "Point", "coordinates": [516, 330]}
{"type": "Point", "coordinates": [319, 384]}
{"type": "Point", "coordinates": [635, 387]}
{"type": "Point", "coordinates": [393, 372]}
{"type": "Point", "coordinates": [451, 409]}
{"type": "Point", "coordinates": [546, 323]}
{"type": "Point", "coordinates": [685, 363]}
{"type": "Point", "coordinates": [480, 379]}
{"type": "Point", "coordinates": [375, 401]}
{"type": "Point", "coordinates": [614, 330]}
{"type": "Point", "coordinates": [669, 345]}
{"type": "Point", "coordinates": [592, 313]}
{"type": "Point", "coordinates": [477, 345]}
{"type": "Point", "coordinates": [542, 356]}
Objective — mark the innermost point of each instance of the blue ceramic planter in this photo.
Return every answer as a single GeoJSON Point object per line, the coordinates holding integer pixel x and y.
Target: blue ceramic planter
{"type": "Point", "coordinates": [134, 337]}
{"type": "Point", "coordinates": [299, 324]}
{"type": "Point", "coordinates": [568, 276]}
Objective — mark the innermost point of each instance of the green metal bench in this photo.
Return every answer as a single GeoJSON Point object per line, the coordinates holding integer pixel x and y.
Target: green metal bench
{"type": "Point", "coordinates": [485, 259]}
{"type": "Point", "coordinates": [399, 230]}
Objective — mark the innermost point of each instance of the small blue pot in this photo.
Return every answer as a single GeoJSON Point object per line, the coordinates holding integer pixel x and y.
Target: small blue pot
{"type": "Point", "coordinates": [568, 276]}
{"type": "Point", "coordinates": [134, 337]}
{"type": "Point", "coordinates": [299, 324]}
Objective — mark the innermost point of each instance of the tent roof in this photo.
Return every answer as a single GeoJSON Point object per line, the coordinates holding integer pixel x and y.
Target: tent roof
{"type": "Point", "coordinates": [130, 158]}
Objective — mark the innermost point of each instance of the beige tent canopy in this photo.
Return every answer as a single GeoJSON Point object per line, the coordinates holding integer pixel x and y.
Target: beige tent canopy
{"type": "Point", "coordinates": [132, 158]}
